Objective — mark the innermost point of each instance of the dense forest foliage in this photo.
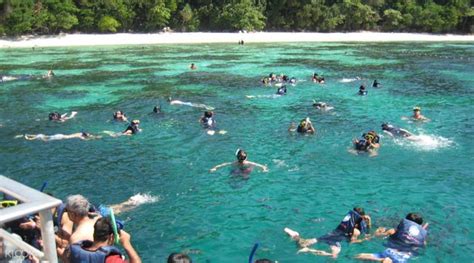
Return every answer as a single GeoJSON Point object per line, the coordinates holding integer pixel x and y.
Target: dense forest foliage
{"type": "Point", "coordinates": [18, 17]}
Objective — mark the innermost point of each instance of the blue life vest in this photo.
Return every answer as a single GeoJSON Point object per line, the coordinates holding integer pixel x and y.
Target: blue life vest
{"type": "Point", "coordinates": [350, 221]}
{"type": "Point", "coordinates": [361, 145]}
{"type": "Point", "coordinates": [409, 236]}
{"type": "Point", "coordinates": [80, 255]}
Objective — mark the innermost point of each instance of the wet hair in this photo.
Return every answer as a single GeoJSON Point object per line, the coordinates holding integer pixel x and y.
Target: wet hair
{"type": "Point", "coordinates": [78, 205]}
{"type": "Point", "coordinates": [384, 126]}
{"type": "Point", "coordinates": [208, 114]}
{"type": "Point", "coordinates": [362, 87]}
{"type": "Point", "coordinates": [116, 114]}
{"type": "Point", "coordinates": [241, 155]}
{"type": "Point", "coordinates": [179, 258]}
{"type": "Point", "coordinates": [263, 260]}
{"type": "Point", "coordinates": [359, 210]}
{"type": "Point", "coordinates": [85, 134]}
{"type": "Point", "coordinates": [102, 229]}
{"type": "Point", "coordinates": [157, 109]}
{"type": "Point", "coordinates": [414, 217]}
{"type": "Point", "coordinates": [53, 116]}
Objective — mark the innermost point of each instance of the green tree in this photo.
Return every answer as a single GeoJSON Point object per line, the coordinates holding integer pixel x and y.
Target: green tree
{"type": "Point", "coordinates": [242, 16]}
{"type": "Point", "coordinates": [108, 24]}
{"type": "Point", "coordinates": [187, 19]}
{"type": "Point", "coordinates": [392, 20]}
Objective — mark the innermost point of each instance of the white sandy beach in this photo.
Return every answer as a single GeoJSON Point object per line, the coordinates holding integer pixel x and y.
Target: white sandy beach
{"type": "Point", "coordinates": [67, 40]}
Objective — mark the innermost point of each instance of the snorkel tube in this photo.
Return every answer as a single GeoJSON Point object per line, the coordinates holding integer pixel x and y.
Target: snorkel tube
{"type": "Point", "coordinates": [44, 186]}
{"type": "Point", "coordinates": [252, 254]}
{"type": "Point", "coordinates": [114, 227]}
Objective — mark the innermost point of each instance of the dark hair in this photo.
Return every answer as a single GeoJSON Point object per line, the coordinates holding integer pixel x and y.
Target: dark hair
{"type": "Point", "coordinates": [263, 260]}
{"type": "Point", "coordinates": [179, 258]}
{"type": "Point", "coordinates": [157, 109]}
{"type": "Point", "coordinates": [53, 116]}
{"type": "Point", "coordinates": [208, 114]}
{"type": "Point", "coordinates": [414, 217]}
{"type": "Point", "coordinates": [241, 155]}
{"type": "Point", "coordinates": [362, 87]}
{"type": "Point", "coordinates": [102, 229]}
{"type": "Point", "coordinates": [359, 210]}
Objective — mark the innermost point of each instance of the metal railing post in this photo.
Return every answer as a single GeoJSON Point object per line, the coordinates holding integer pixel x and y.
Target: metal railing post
{"type": "Point", "coordinates": [47, 233]}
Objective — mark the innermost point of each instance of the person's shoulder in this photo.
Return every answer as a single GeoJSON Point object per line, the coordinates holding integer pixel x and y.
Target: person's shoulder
{"type": "Point", "coordinates": [114, 259]}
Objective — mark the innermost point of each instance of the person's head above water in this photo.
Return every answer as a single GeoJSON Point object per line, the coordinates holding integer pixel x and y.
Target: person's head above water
{"type": "Point", "coordinates": [157, 109]}
{"type": "Point", "coordinates": [414, 218]}
{"type": "Point", "coordinates": [85, 134]}
{"type": "Point", "coordinates": [119, 115]}
{"type": "Point", "coordinates": [135, 122]}
{"type": "Point", "coordinates": [362, 87]}
{"type": "Point", "coordinates": [385, 126]}
{"type": "Point", "coordinates": [241, 155]}
{"type": "Point", "coordinates": [208, 114]}
{"type": "Point", "coordinates": [54, 116]}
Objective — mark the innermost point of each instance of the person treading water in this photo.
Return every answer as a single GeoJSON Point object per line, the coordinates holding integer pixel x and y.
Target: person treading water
{"type": "Point", "coordinates": [209, 123]}
{"type": "Point", "coordinates": [368, 143]}
{"type": "Point", "coordinates": [241, 166]}
{"type": "Point", "coordinates": [196, 105]}
{"type": "Point", "coordinates": [305, 126]}
{"type": "Point", "coordinates": [120, 116]}
{"type": "Point", "coordinates": [57, 137]}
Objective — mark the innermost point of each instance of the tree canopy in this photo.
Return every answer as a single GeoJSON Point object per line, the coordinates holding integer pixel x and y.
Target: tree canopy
{"type": "Point", "coordinates": [18, 17]}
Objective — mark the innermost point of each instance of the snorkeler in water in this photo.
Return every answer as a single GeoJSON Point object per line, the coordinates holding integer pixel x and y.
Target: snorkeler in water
{"type": "Point", "coordinates": [132, 129]}
{"type": "Point", "coordinates": [395, 131]}
{"type": "Point", "coordinates": [305, 126]}
{"type": "Point", "coordinates": [362, 90]}
{"type": "Point", "coordinates": [352, 226]}
{"type": "Point", "coordinates": [55, 116]}
{"type": "Point", "coordinates": [196, 105]}
{"type": "Point", "coordinates": [57, 137]}
{"type": "Point", "coordinates": [281, 90]}
{"type": "Point", "coordinates": [403, 243]}
{"type": "Point", "coordinates": [241, 166]}
{"type": "Point", "coordinates": [120, 116]}
{"type": "Point", "coordinates": [369, 143]}
{"type": "Point", "coordinates": [319, 105]}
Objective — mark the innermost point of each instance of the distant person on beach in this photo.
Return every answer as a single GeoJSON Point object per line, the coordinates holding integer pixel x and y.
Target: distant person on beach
{"type": "Point", "coordinates": [241, 166]}
{"type": "Point", "coordinates": [193, 67]}
{"type": "Point", "coordinates": [120, 116]}
{"type": "Point", "coordinates": [196, 105]}
{"type": "Point", "coordinates": [369, 142]}
{"type": "Point", "coordinates": [305, 126]}
{"type": "Point", "coordinates": [178, 258]}
{"type": "Point", "coordinates": [352, 226]}
{"type": "Point", "coordinates": [101, 249]}
{"type": "Point", "coordinates": [57, 137]}
{"type": "Point", "coordinates": [55, 116]}
{"type": "Point", "coordinates": [403, 243]}
{"type": "Point", "coordinates": [362, 90]}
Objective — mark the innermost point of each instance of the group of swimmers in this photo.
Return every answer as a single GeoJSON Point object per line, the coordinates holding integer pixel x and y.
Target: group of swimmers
{"type": "Point", "coordinates": [273, 79]}
{"type": "Point", "coordinates": [404, 241]}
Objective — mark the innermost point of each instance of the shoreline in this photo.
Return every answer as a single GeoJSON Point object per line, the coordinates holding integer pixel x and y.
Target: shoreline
{"type": "Point", "coordinates": [73, 40]}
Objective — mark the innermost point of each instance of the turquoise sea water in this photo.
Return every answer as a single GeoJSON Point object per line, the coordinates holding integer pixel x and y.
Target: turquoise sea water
{"type": "Point", "coordinates": [313, 180]}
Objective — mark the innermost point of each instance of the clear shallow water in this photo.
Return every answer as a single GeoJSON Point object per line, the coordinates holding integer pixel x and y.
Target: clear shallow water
{"type": "Point", "coordinates": [313, 180]}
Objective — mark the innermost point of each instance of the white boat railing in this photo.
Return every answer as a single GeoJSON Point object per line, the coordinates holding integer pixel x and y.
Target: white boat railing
{"type": "Point", "coordinates": [32, 202]}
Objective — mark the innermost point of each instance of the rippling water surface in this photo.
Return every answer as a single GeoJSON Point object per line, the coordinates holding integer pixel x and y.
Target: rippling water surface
{"type": "Point", "coordinates": [313, 180]}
